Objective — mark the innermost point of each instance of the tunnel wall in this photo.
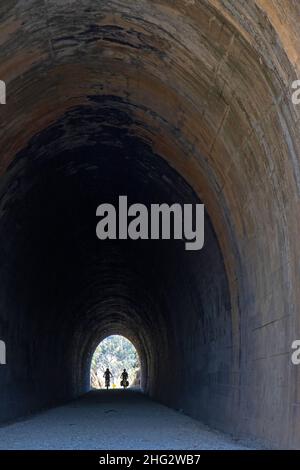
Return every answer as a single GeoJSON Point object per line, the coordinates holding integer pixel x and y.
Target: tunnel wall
{"type": "Point", "coordinates": [208, 87]}
{"type": "Point", "coordinates": [73, 290]}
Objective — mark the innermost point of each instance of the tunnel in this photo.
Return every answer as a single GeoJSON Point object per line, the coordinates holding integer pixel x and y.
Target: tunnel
{"type": "Point", "coordinates": [164, 101]}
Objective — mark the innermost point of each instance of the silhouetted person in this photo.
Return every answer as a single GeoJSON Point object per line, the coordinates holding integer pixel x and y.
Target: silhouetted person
{"type": "Point", "coordinates": [124, 377]}
{"type": "Point", "coordinates": [107, 374]}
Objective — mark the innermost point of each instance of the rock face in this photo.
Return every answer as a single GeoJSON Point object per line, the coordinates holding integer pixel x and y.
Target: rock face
{"type": "Point", "coordinates": [164, 101]}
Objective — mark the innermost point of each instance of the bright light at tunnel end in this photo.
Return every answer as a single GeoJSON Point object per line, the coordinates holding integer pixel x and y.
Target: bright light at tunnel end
{"type": "Point", "coordinates": [164, 222]}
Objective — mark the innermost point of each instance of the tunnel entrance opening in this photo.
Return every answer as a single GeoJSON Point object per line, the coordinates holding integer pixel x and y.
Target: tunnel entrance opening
{"type": "Point", "coordinates": [115, 353]}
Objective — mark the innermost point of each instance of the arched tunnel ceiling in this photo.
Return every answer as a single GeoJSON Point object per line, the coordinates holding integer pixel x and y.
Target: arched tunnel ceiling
{"type": "Point", "coordinates": [189, 70]}
{"type": "Point", "coordinates": [49, 202]}
{"type": "Point", "coordinates": [206, 84]}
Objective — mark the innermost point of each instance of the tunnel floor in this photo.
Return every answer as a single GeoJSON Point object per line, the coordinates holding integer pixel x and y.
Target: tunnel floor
{"type": "Point", "coordinates": [114, 419]}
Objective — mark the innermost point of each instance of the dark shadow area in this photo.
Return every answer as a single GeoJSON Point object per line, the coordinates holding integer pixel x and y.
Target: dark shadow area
{"type": "Point", "coordinates": [64, 290]}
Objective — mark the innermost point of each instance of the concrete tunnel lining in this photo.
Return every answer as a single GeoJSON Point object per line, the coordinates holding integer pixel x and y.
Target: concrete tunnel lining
{"type": "Point", "coordinates": [88, 288]}
{"type": "Point", "coordinates": [176, 77]}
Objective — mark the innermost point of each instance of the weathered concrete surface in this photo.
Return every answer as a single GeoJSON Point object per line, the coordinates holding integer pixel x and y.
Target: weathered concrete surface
{"type": "Point", "coordinates": [207, 85]}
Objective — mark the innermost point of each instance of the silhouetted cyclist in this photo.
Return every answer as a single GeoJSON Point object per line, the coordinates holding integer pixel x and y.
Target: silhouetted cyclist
{"type": "Point", "coordinates": [124, 377]}
{"type": "Point", "coordinates": [107, 374]}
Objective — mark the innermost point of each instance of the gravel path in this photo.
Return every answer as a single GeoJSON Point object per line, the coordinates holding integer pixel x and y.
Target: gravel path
{"type": "Point", "coordinates": [113, 419]}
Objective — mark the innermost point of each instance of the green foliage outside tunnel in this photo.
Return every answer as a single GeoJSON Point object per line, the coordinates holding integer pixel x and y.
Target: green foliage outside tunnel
{"type": "Point", "coordinates": [116, 353]}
